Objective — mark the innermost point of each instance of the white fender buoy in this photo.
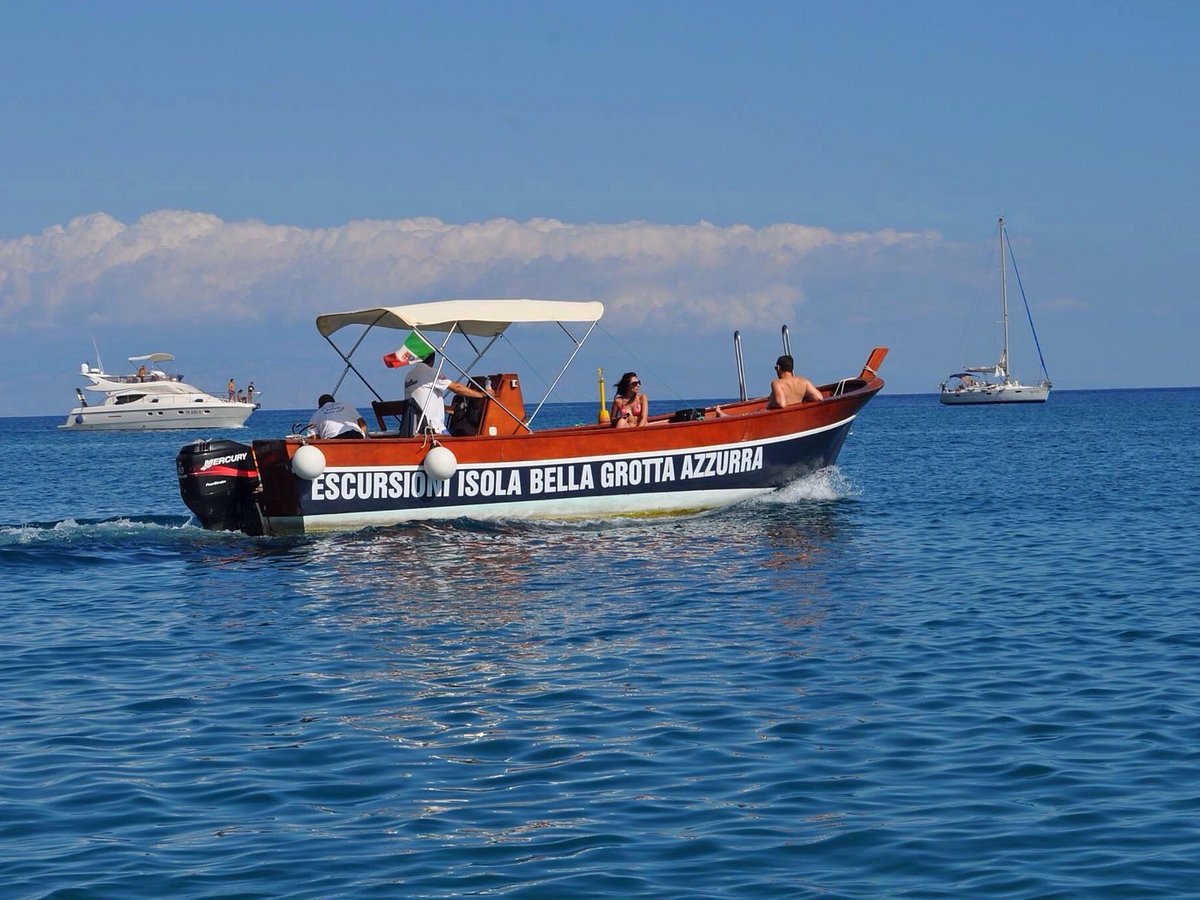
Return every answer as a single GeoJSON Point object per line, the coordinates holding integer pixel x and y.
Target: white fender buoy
{"type": "Point", "coordinates": [308, 462]}
{"type": "Point", "coordinates": [440, 463]}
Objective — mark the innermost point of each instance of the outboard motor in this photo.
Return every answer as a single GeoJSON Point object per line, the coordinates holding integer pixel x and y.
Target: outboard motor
{"type": "Point", "coordinates": [217, 481]}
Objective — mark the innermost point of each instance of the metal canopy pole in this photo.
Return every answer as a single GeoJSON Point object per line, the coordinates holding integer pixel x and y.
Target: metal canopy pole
{"type": "Point", "coordinates": [349, 365]}
{"type": "Point", "coordinates": [741, 367]}
{"type": "Point", "coordinates": [550, 390]}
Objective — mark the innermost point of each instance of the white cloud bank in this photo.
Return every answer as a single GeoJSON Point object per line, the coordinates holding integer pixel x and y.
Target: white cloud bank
{"type": "Point", "coordinates": [194, 266]}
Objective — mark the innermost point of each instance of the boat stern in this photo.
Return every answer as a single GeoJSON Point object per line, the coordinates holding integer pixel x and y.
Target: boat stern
{"type": "Point", "coordinates": [218, 481]}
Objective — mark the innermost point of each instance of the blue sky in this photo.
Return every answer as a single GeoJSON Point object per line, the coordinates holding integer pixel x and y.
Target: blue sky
{"type": "Point", "coordinates": [204, 178]}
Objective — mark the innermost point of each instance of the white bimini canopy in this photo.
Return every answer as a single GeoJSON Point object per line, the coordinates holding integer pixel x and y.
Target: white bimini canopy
{"type": "Point", "coordinates": [481, 318]}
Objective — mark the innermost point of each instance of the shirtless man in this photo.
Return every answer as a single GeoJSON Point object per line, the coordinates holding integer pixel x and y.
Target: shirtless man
{"type": "Point", "coordinates": [788, 387]}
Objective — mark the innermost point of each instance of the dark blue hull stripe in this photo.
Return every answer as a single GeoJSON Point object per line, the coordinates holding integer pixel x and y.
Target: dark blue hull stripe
{"type": "Point", "coordinates": [635, 483]}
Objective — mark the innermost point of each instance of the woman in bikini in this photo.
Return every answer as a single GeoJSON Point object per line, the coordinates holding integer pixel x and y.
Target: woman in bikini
{"type": "Point", "coordinates": [630, 407]}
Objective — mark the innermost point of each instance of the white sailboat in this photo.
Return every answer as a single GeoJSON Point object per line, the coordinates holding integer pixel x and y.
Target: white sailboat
{"type": "Point", "coordinates": [994, 383]}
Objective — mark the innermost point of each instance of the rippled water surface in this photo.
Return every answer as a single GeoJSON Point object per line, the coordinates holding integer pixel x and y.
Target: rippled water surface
{"type": "Point", "coordinates": [966, 663]}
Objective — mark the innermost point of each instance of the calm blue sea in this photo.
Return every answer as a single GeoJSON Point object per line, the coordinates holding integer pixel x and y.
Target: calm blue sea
{"type": "Point", "coordinates": [966, 663]}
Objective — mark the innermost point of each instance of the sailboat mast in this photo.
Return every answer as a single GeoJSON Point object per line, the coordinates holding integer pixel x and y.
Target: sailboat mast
{"type": "Point", "coordinates": [1003, 302]}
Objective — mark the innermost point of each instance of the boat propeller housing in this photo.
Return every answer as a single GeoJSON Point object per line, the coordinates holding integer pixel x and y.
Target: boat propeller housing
{"type": "Point", "coordinates": [217, 480]}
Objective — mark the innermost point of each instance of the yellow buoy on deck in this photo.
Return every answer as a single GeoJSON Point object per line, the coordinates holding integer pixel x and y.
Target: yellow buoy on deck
{"type": "Point", "coordinates": [603, 418]}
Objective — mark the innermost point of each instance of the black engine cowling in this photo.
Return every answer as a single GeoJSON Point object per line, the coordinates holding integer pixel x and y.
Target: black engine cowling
{"type": "Point", "coordinates": [218, 481]}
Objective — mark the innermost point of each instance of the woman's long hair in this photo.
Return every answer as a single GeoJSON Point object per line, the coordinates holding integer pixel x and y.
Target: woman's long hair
{"type": "Point", "coordinates": [623, 384]}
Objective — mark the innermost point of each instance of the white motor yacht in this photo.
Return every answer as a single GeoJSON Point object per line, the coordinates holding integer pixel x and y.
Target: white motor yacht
{"type": "Point", "coordinates": [150, 398]}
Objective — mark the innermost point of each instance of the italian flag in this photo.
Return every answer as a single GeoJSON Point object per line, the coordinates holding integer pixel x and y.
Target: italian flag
{"type": "Point", "coordinates": [415, 348]}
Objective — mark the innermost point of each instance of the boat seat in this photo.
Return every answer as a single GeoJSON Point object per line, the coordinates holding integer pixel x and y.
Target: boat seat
{"type": "Point", "coordinates": [466, 416]}
{"type": "Point", "coordinates": [403, 411]}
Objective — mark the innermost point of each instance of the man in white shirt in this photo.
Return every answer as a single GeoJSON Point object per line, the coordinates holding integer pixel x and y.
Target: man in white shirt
{"type": "Point", "coordinates": [337, 420]}
{"type": "Point", "coordinates": [428, 391]}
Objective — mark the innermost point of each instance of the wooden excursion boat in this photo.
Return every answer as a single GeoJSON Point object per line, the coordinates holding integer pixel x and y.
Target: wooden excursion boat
{"type": "Point", "coordinates": [691, 460]}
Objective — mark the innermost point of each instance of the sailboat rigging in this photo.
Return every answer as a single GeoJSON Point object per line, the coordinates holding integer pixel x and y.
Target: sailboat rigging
{"type": "Point", "coordinates": [995, 383]}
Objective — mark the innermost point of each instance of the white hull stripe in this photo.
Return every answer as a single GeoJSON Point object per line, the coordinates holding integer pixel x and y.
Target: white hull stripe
{"type": "Point", "coordinates": [564, 508]}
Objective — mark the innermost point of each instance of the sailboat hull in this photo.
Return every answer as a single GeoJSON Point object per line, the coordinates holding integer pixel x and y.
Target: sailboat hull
{"type": "Point", "coordinates": [1003, 393]}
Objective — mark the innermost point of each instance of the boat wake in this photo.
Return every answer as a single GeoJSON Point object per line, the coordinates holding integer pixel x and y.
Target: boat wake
{"type": "Point", "coordinates": [87, 532]}
{"type": "Point", "coordinates": [825, 484]}
{"type": "Point", "coordinates": [148, 532]}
